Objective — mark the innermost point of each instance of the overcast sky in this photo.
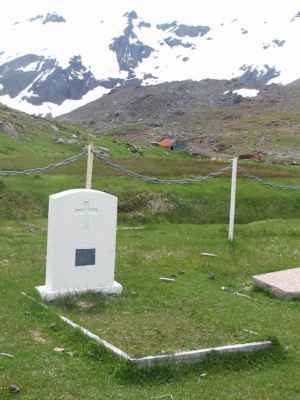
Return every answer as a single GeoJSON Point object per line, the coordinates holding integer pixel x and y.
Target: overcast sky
{"type": "Point", "coordinates": [192, 11]}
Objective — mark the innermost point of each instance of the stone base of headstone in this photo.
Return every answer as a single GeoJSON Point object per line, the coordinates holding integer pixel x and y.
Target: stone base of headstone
{"type": "Point", "coordinates": [284, 284]}
{"type": "Point", "coordinates": [50, 295]}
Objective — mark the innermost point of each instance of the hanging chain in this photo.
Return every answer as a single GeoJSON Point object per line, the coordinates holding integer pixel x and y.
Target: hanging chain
{"type": "Point", "coordinates": [255, 178]}
{"type": "Point", "coordinates": [43, 170]}
{"type": "Point", "coordinates": [150, 179]}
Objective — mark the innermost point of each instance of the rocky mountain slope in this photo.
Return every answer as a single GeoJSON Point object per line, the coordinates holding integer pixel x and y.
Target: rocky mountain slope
{"type": "Point", "coordinates": [155, 106]}
{"type": "Point", "coordinates": [211, 118]}
{"type": "Point", "coordinates": [51, 65]}
{"type": "Point", "coordinates": [198, 115]}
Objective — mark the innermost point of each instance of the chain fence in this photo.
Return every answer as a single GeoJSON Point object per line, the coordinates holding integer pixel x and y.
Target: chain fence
{"type": "Point", "coordinates": [150, 179]}
{"type": "Point", "coordinates": [269, 184]}
{"type": "Point", "coordinates": [44, 170]}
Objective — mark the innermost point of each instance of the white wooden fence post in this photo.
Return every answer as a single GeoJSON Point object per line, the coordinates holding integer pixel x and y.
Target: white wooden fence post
{"type": "Point", "coordinates": [89, 169]}
{"type": "Point", "coordinates": [233, 199]}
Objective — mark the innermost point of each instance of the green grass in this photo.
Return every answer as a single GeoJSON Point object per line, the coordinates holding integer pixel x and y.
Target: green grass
{"type": "Point", "coordinates": [152, 316]}
{"type": "Point", "coordinates": [27, 197]}
{"type": "Point", "coordinates": [193, 312]}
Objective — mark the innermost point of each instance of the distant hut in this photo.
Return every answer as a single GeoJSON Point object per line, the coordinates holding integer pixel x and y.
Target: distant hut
{"type": "Point", "coordinates": [171, 144]}
{"type": "Point", "coordinates": [167, 143]}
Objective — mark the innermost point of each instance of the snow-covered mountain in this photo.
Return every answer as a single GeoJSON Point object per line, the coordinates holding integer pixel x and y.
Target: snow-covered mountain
{"type": "Point", "coordinates": [52, 65]}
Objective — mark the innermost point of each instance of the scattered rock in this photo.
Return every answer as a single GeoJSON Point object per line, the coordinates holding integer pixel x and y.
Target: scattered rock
{"type": "Point", "coordinates": [242, 295]}
{"type": "Point", "coordinates": [166, 397]}
{"type": "Point", "coordinates": [85, 305]}
{"type": "Point", "coordinates": [226, 289]}
{"type": "Point", "coordinates": [250, 332]}
{"type": "Point", "coordinates": [37, 337]}
{"type": "Point", "coordinates": [104, 149]}
{"type": "Point", "coordinates": [6, 355]}
{"type": "Point", "coordinates": [66, 141]}
{"type": "Point", "coordinates": [168, 280]}
{"type": "Point", "coordinates": [14, 389]}
{"type": "Point", "coordinates": [9, 129]}
{"type": "Point", "coordinates": [59, 349]}
{"type": "Point", "coordinates": [55, 128]}
{"type": "Point", "coordinates": [234, 292]}
{"type": "Point", "coordinates": [131, 228]}
{"type": "Point", "coordinates": [208, 254]}
{"type": "Point", "coordinates": [30, 228]}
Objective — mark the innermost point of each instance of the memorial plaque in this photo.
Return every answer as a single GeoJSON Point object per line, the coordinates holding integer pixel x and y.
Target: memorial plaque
{"type": "Point", "coordinates": [85, 257]}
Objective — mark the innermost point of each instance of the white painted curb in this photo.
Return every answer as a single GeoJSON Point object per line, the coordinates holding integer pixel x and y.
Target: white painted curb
{"type": "Point", "coordinates": [188, 357]}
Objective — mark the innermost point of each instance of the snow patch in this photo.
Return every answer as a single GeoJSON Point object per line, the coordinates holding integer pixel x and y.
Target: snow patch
{"type": "Point", "coordinates": [30, 67]}
{"type": "Point", "coordinates": [246, 92]}
{"type": "Point", "coordinates": [45, 75]}
{"type": "Point", "coordinates": [50, 108]}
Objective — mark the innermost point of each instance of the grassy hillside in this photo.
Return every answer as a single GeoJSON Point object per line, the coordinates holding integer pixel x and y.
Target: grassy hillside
{"type": "Point", "coordinates": [208, 202]}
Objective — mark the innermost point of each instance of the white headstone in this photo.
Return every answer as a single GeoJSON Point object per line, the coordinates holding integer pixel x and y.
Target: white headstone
{"type": "Point", "coordinates": [81, 247]}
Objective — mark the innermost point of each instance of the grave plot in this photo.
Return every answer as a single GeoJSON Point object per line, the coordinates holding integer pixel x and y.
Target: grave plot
{"type": "Point", "coordinates": [191, 310]}
{"type": "Point", "coordinates": [143, 257]}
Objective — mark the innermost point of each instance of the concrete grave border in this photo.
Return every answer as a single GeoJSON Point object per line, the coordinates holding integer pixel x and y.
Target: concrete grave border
{"type": "Point", "coordinates": [187, 357]}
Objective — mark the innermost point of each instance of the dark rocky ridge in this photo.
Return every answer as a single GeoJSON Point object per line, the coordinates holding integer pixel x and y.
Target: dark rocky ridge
{"type": "Point", "coordinates": [46, 19]}
{"type": "Point", "coordinates": [129, 54]}
{"type": "Point", "coordinates": [13, 79]}
{"type": "Point", "coordinates": [48, 82]}
{"type": "Point", "coordinates": [191, 31]}
{"type": "Point", "coordinates": [173, 42]}
{"type": "Point", "coordinates": [53, 18]}
{"type": "Point", "coordinates": [183, 30]}
{"type": "Point", "coordinates": [72, 82]}
{"type": "Point", "coordinates": [36, 18]}
{"type": "Point", "coordinates": [251, 76]}
{"type": "Point", "coordinates": [279, 43]}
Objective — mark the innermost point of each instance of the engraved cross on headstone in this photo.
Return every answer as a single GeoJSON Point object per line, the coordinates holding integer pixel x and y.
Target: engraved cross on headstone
{"type": "Point", "coordinates": [87, 211]}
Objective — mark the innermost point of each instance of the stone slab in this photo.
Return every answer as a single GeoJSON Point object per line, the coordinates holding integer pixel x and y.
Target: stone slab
{"type": "Point", "coordinates": [284, 284]}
